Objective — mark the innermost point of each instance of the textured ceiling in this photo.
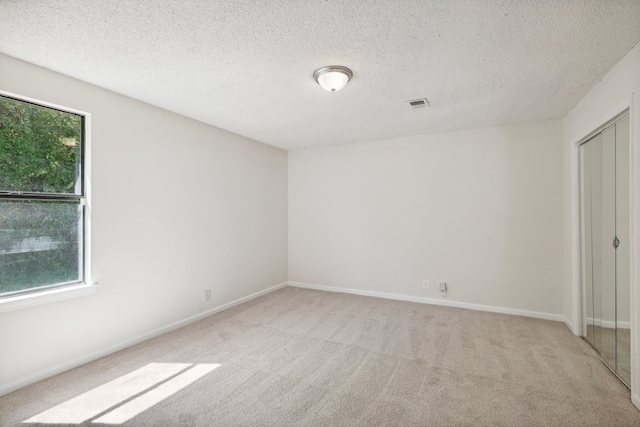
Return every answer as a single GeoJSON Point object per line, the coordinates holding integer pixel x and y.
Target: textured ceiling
{"type": "Point", "coordinates": [246, 66]}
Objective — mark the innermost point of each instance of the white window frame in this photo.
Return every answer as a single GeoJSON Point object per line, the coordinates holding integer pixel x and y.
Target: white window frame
{"type": "Point", "coordinates": [38, 296]}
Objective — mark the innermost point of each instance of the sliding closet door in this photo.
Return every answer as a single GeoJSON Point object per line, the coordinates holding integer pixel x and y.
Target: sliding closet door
{"type": "Point", "coordinates": [598, 228]}
{"type": "Point", "coordinates": [623, 255]}
{"type": "Point", "coordinates": [587, 241]}
{"type": "Point", "coordinates": [607, 253]}
{"type": "Point", "coordinates": [605, 237]}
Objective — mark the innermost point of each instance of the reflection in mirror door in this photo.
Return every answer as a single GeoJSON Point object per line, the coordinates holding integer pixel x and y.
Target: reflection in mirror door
{"type": "Point", "coordinates": [623, 255]}
{"type": "Point", "coordinates": [586, 246]}
{"type": "Point", "coordinates": [607, 260]}
{"type": "Point", "coordinates": [596, 237]}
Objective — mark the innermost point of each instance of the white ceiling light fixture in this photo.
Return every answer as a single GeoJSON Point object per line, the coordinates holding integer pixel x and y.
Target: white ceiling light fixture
{"type": "Point", "coordinates": [333, 78]}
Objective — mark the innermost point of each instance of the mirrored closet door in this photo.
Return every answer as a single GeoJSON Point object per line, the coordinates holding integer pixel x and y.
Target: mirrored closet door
{"type": "Point", "coordinates": [605, 238]}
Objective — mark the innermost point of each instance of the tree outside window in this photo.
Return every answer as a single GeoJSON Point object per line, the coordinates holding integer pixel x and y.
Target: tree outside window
{"type": "Point", "coordinates": [41, 191]}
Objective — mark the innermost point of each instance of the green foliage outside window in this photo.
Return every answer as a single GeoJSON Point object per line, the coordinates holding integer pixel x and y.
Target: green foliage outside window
{"type": "Point", "coordinates": [40, 152]}
{"type": "Point", "coordinates": [39, 148]}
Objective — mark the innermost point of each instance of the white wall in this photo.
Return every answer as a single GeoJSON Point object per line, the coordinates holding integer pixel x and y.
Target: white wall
{"type": "Point", "coordinates": [618, 90]}
{"type": "Point", "coordinates": [178, 207]}
{"type": "Point", "coordinates": [480, 209]}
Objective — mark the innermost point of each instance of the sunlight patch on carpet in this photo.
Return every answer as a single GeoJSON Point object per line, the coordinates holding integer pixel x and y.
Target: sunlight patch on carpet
{"type": "Point", "coordinates": [131, 394]}
{"type": "Point", "coordinates": [140, 404]}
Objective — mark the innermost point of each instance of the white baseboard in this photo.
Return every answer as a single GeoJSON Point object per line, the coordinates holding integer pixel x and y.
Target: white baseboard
{"type": "Point", "coordinates": [569, 325]}
{"type": "Point", "coordinates": [434, 301]}
{"type": "Point", "coordinates": [84, 359]}
{"type": "Point", "coordinates": [635, 398]}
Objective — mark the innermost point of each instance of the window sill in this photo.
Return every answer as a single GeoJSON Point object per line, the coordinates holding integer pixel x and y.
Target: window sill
{"type": "Point", "coordinates": [37, 298]}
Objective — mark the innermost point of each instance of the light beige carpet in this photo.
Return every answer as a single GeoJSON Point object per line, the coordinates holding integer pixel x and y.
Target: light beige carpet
{"type": "Point", "coordinates": [311, 358]}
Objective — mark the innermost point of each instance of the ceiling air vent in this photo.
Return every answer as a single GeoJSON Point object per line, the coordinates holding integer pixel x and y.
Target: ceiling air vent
{"type": "Point", "coordinates": [419, 103]}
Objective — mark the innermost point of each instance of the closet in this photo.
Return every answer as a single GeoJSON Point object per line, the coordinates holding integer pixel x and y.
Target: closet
{"type": "Point", "coordinates": [605, 243]}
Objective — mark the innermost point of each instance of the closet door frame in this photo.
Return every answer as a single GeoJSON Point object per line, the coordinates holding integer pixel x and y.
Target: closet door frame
{"type": "Point", "coordinates": [603, 161]}
{"type": "Point", "coordinates": [575, 309]}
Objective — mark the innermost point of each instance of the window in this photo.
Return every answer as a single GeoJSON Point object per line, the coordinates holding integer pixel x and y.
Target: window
{"type": "Point", "coordinates": [43, 224]}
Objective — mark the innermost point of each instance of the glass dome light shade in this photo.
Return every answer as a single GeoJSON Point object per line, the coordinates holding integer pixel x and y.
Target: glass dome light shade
{"type": "Point", "coordinates": [333, 78]}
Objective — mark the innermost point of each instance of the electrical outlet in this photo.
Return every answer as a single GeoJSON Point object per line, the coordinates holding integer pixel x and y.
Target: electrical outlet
{"type": "Point", "coordinates": [425, 284]}
{"type": "Point", "coordinates": [207, 295]}
{"type": "Point", "coordinates": [442, 286]}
